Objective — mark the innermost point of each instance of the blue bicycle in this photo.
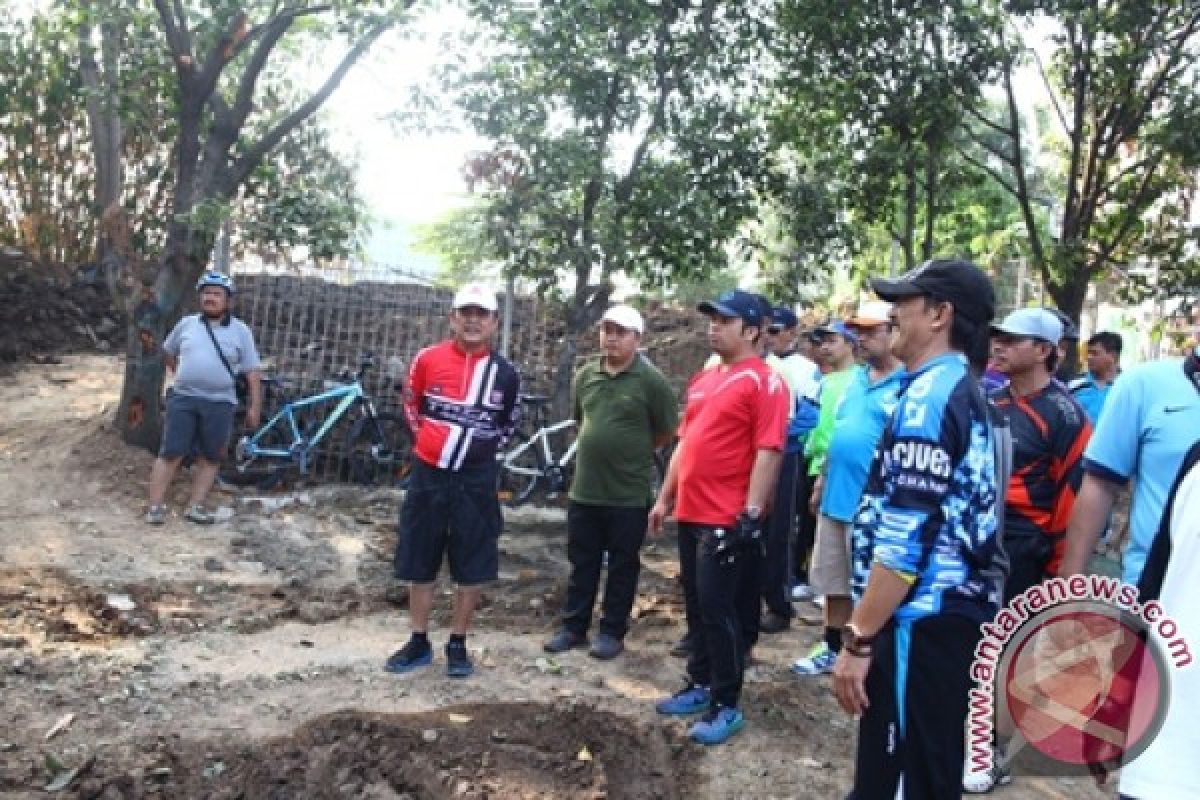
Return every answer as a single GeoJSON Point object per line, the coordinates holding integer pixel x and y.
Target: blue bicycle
{"type": "Point", "coordinates": [378, 446]}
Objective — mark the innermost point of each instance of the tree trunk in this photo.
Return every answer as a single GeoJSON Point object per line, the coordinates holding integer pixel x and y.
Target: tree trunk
{"type": "Point", "coordinates": [1069, 299]}
{"type": "Point", "coordinates": [931, 190]}
{"type": "Point", "coordinates": [152, 316]}
{"type": "Point", "coordinates": [908, 234]}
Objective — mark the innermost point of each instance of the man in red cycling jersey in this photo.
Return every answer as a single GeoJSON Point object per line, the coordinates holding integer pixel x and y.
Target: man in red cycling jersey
{"type": "Point", "coordinates": [461, 403]}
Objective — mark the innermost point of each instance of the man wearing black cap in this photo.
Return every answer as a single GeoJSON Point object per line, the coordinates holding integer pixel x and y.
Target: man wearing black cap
{"type": "Point", "coordinates": [927, 557]}
{"type": "Point", "coordinates": [1068, 349]}
{"type": "Point", "coordinates": [720, 480]}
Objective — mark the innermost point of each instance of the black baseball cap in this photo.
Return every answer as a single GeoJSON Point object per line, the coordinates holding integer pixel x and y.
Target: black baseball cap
{"type": "Point", "coordinates": [957, 282]}
{"type": "Point", "coordinates": [1070, 329]}
{"type": "Point", "coordinates": [748, 306]}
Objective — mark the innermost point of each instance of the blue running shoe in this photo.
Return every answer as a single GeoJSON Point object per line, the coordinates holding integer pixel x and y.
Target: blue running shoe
{"type": "Point", "coordinates": [691, 699]}
{"type": "Point", "coordinates": [458, 662]}
{"type": "Point", "coordinates": [416, 653]}
{"type": "Point", "coordinates": [717, 725]}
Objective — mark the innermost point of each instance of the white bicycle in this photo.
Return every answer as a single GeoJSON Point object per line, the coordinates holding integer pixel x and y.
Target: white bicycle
{"type": "Point", "coordinates": [540, 461]}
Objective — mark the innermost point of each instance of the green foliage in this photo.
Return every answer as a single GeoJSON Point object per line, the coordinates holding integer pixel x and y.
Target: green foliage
{"type": "Point", "coordinates": [462, 242]}
{"type": "Point", "coordinates": [627, 134]}
{"type": "Point", "coordinates": [869, 98]}
{"type": "Point", "coordinates": [303, 194]}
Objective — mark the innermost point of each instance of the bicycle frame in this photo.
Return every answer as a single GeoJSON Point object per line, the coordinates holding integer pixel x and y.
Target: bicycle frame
{"type": "Point", "coordinates": [299, 448]}
{"type": "Point", "coordinates": [542, 438]}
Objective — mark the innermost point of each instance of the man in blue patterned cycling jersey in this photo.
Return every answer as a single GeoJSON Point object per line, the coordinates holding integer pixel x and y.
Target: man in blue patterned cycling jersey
{"type": "Point", "coordinates": [927, 560]}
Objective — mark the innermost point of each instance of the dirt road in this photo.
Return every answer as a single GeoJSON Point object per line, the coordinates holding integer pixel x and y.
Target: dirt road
{"type": "Point", "coordinates": [244, 659]}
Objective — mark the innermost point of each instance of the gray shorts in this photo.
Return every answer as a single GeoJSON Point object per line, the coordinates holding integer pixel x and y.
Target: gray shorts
{"type": "Point", "coordinates": [829, 571]}
{"type": "Point", "coordinates": [195, 426]}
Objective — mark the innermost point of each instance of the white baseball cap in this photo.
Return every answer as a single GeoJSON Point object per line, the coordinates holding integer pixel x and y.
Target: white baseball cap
{"type": "Point", "coordinates": [625, 316]}
{"type": "Point", "coordinates": [871, 314]}
{"type": "Point", "coordinates": [1038, 323]}
{"type": "Point", "coordinates": [476, 294]}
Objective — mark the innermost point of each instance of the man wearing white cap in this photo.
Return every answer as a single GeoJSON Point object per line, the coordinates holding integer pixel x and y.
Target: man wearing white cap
{"type": "Point", "coordinates": [625, 409]}
{"type": "Point", "coordinates": [461, 404]}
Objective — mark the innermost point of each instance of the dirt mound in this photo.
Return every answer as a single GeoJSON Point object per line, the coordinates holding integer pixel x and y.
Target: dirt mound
{"type": "Point", "coordinates": [523, 750]}
{"type": "Point", "coordinates": [45, 312]}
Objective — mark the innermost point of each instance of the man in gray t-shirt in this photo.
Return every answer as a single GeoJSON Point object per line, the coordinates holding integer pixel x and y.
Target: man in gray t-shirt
{"type": "Point", "coordinates": [200, 407]}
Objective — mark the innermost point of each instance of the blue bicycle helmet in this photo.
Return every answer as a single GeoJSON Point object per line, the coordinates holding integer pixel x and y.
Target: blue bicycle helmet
{"type": "Point", "coordinates": [211, 278]}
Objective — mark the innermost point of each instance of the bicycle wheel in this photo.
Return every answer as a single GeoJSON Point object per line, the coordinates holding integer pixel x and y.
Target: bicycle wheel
{"type": "Point", "coordinates": [379, 451]}
{"type": "Point", "coordinates": [521, 470]}
{"type": "Point", "coordinates": [262, 472]}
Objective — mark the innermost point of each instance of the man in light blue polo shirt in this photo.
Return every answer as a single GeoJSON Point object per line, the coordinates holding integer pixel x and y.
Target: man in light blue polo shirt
{"type": "Point", "coordinates": [859, 420]}
{"type": "Point", "coordinates": [1151, 418]}
{"type": "Point", "coordinates": [1104, 365]}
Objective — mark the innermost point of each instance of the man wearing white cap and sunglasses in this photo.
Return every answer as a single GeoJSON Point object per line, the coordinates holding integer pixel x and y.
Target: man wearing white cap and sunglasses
{"type": "Point", "coordinates": [625, 409]}
{"type": "Point", "coordinates": [461, 404]}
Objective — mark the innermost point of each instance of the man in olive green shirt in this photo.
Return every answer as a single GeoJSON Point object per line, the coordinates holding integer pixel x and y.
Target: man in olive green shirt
{"type": "Point", "coordinates": [625, 409]}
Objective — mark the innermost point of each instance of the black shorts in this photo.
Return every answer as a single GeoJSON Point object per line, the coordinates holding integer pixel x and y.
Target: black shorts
{"type": "Point", "coordinates": [449, 513]}
{"type": "Point", "coordinates": [195, 426]}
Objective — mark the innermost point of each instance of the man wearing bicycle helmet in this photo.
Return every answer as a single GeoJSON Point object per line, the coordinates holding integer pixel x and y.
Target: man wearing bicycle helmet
{"type": "Point", "coordinates": [460, 403]}
{"type": "Point", "coordinates": [205, 351]}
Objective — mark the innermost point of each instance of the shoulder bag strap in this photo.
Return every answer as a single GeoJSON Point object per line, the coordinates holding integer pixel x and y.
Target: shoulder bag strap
{"type": "Point", "coordinates": [217, 347]}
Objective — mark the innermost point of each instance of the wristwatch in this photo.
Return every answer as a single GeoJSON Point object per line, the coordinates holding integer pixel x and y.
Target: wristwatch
{"type": "Point", "coordinates": [855, 642]}
{"type": "Point", "coordinates": [753, 512]}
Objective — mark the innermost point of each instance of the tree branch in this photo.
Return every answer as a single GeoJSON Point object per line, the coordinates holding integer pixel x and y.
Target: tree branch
{"type": "Point", "coordinates": [1062, 117]}
{"type": "Point", "coordinates": [178, 41]}
{"type": "Point", "coordinates": [218, 57]}
{"type": "Point", "coordinates": [254, 155]}
{"type": "Point", "coordinates": [994, 174]}
{"type": "Point", "coordinates": [980, 116]}
{"type": "Point", "coordinates": [1133, 208]}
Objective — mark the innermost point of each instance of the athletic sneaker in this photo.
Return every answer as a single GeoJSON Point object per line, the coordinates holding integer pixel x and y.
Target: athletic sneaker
{"type": "Point", "coordinates": [156, 515]}
{"type": "Point", "coordinates": [691, 699]}
{"type": "Point", "coordinates": [416, 653]}
{"type": "Point", "coordinates": [983, 782]}
{"type": "Point", "coordinates": [458, 661]}
{"type": "Point", "coordinates": [801, 592]}
{"type": "Point", "coordinates": [819, 661]}
{"type": "Point", "coordinates": [199, 515]}
{"type": "Point", "coordinates": [717, 725]}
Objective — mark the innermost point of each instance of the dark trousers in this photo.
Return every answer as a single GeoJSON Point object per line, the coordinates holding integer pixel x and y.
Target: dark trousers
{"type": "Point", "coordinates": [591, 532]}
{"type": "Point", "coordinates": [926, 747]}
{"type": "Point", "coordinates": [806, 522]}
{"type": "Point", "coordinates": [723, 593]}
{"type": "Point", "coordinates": [777, 568]}
{"type": "Point", "coordinates": [1028, 555]}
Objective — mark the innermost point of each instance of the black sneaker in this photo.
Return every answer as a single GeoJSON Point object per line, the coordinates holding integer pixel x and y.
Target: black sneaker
{"type": "Point", "coordinates": [458, 662]}
{"type": "Point", "coordinates": [416, 653]}
{"type": "Point", "coordinates": [563, 641]}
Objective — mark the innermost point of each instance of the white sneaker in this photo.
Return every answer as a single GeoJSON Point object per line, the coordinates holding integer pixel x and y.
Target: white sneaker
{"type": "Point", "coordinates": [801, 592]}
{"type": "Point", "coordinates": [986, 780]}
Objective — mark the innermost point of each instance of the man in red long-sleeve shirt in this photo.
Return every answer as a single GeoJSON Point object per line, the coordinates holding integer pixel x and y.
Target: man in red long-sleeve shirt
{"type": "Point", "coordinates": [461, 403]}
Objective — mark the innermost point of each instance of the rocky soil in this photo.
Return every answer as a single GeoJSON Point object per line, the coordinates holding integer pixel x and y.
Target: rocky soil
{"type": "Point", "coordinates": [244, 659]}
